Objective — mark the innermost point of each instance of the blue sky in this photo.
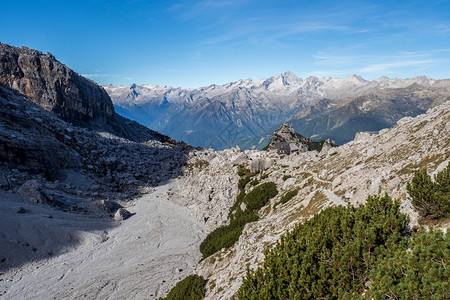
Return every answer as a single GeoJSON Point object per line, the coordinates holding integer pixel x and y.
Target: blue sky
{"type": "Point", "coordinates": [197, 43]}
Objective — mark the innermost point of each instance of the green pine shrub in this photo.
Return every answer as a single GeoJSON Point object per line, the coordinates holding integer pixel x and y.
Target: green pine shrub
{"type": "Point", "coordinates": [330, 255]}
{"type": "Point", "coordinates": [243, 172]}
{"type": "Point", "coordinates": [190, 288]}
{"type": "Point", "coordinates": [243, 182]}
{"type": "Point", "coordinates": [288, 196]}
{"type": "Point", "coordinates": [286, 177]}
{"type": "Point", "coordinates": [254, 182]}
{"type": "Point", "coordinates": [221, 237]}
{"type": "Point", "coordinates": [431, 198]}
{"type": "Point", "coordinates": [418, 271]}
{"type": "Point", "coordinates": [260, 196]}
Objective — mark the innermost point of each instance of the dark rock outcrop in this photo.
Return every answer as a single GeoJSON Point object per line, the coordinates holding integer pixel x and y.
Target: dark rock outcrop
{"type": "Point", "coordinates": [31, 138]}
{"type": "Point", "coordinates": [60, 90]}
{"type": "Point", "coordinates": [286, 140]}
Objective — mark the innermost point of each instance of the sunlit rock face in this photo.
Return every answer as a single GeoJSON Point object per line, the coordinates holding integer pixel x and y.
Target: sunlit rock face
{"type": "Point", "coordinates": [53, 86]}
{"type": "Point", "coordinates": [60, 90]}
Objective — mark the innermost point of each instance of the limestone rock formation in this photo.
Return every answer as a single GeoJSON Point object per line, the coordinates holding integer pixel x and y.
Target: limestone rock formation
{"type": "Point", "coordinates": [108, 206]}
{"type": "Point", "coordinates": [260, 164]}
{"type": "Point", "coordinates": [60, 90]}
{"type": "Point", "coordinates": [286, 140]}
{"type": "Point", "coordinates": [53, 86]}
{"type": "Point", "coordinates": [21, 210]}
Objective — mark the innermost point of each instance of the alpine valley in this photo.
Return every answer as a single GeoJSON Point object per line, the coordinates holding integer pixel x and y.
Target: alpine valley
{"type": "Point", "coordinates": [94, 205]}
{"type": "Point", "coordinates": [246, 112]}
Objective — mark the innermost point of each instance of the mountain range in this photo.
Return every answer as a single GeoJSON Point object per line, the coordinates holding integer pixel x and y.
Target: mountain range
{"type": "Point", "coordinates": [96, 206]}
{"type": "Point", "coordinates": [246, 112]}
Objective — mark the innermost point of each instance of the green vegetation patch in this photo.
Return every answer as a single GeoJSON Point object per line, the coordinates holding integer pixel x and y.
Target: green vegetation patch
{"type": "Point", "coordinates": [431, 198]}
{"type": "Point", "coordinates": [288, 196]}
{"type": "Point", "coordinates": [418, 270]}
{"type": "Point", "coordinates": [190, 288]}
{"type": "Point", "coordinates": [226, 236]}
{"type": "Point", "coordinates": [260, 196]}
{"type": "Point", "coordinates": [254, 182]}
{"type": "Point", "coordinates": [243, 172]}
{"type": "Point", "coordinates": [243, 182]}
{"type": "Point", "coordinates": [286, 177]}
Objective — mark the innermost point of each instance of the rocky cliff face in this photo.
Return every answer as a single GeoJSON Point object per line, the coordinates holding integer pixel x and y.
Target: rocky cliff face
{"type": "Point", "coordinates": [53, 86]}
{"type": "Point", "coordinates": [41, 101]}
{"type": "Point", "coordinates": [60, 90]}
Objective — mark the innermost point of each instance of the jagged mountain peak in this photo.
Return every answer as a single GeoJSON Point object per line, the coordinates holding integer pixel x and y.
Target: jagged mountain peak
{"type": "Point", "coordinates": [289, 76]}
{"type": "Point", "coordinates": [41, 78]}
{"type": "Point", "coordinates": [355, 77]}
{"type": "Point", "coordinates": [382, 78]}
{"type": "Point", "coordinates": [286, 141]}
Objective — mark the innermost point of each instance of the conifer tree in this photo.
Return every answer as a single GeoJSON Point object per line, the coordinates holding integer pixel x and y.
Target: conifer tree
{"type": "Point", "coordinates": [431, 199]}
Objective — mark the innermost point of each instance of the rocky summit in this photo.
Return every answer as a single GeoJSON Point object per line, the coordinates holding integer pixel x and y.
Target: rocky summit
{"type": "Point", "coordinates": [286, 140]}
{"type": "Point", "coordinates": [58, 89]}
{"type": "Point", "coordinates": [96, 206]}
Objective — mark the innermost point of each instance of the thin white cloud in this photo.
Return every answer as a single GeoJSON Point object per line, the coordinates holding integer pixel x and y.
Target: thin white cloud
{"type": "Point", "coordinates": [387, 67]}
{"type": "Point", "coordinates": [325, 59]}
{"type": "Point", "coordinates": [411, 61]}
{"type": "Point", "coordinates": [190, 10]}
{"type": "Point", "coordinates": [103, 75]}
{"type": "Point", "coordinates": [98, 75]}
{"type": "Point", "coordinates": [257, 31]}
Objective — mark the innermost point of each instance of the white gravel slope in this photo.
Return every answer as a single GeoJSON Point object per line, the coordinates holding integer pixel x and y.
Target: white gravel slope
{"type": "Point", "coordinates": [140, 259]}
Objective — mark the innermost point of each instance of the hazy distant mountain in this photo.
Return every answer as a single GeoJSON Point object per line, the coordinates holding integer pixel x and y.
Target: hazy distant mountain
{"type": "Point", "coordinates": [340, 120]}
{"type": "Point", "coordinates": [246, 112]}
